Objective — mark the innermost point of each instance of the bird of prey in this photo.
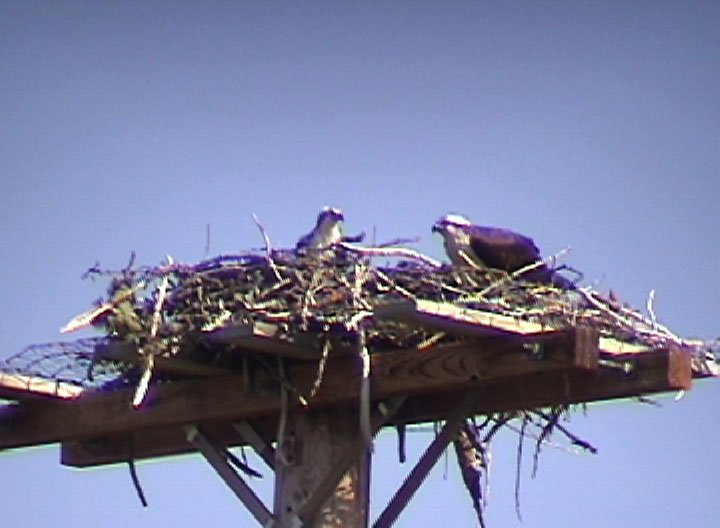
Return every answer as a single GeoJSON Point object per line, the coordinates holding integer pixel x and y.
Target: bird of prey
{"type": "Point", "coordinates": [327, 230]}
{"type": "Point", "coordinates": [467, 244]}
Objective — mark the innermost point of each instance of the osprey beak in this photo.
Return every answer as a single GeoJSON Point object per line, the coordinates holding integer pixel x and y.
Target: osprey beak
{"type": "Point", "coordinates": [437, 228]}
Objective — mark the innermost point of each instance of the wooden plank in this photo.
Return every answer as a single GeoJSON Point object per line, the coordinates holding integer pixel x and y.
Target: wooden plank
{"type": "Point", "coordinates": [471, 322]}
{"type": "Point", "coordinates": [262, 337]}
{"type": "Point", "coordinates": [456, 319]}
{"type": "Point", "coordinates": [128, 352]}
{"type": "Point", "coordinates": [408, 372]}
{"type": "Point", "coordinates": [659, 371]}
{"type": "Point", "coordinates": [22, 387]}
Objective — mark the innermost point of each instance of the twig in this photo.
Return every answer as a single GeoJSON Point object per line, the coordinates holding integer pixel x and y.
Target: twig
{"type": "Point", "coordinates": [133, 471]}
{"type": "Point", "coordinates": [85, 319]}
{"type": "Point", "coordinates": [268, 247]}
{"type": "Point", "coordinates": [402, 291]}
{"type": "Point", "coordinates": [650, 301]}
{"type": "Point", "coordinates": [391, 252]}
{"type": "Point", "coordinates": [365, 428]}
{"type": "Point", "coordinates": [282, 422]}
{"type": "Point", "coordinates": [518, 467]}
{"type": "Point", "coordinates": [661, 332]}
{"type": "Point", "coordinates": [515, 274]}
{"type": "Point", "coordinates": [149, 352]}
{"type": "Point", "coordinates": [321, 369]}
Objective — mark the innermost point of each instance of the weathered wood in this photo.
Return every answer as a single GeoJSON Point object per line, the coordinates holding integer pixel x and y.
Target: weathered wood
{"type": "Point", "coordinates": [262, 337]}
{"type": "Point", "coordinates": [471, 322]}
{"type": "Point", "coordinates": [351, 454]}
{"type": "Point", "coordinates": [652, 372]}
{"type": "Point", "coordinates": [443, 368]}
{"type": "Point", "coordinates": [457, 320]}
{"type": "Point", "coordinates": [320, 440]}
{"type": "Point", "coordinates": [417, 475]}
{"type": "Point", "coordinates": [129, 353]}
{"type": "Point", "coordinates": [213, 454]}
{"type": "Point", "coordinates": [22, 387]}
{"type": "Point", "coordinates": [251, 436]}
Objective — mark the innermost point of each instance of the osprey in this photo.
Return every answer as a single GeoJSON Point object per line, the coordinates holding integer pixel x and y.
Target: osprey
{"type": "Point", "coordinates": [327, 230]}
{"type": "Point", "coordinates": [472, 245]}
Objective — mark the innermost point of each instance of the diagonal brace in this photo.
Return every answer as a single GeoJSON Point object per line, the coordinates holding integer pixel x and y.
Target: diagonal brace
{"type": "Point", "coordinates": [384, 412]}
{"type": "Point", "coordinates": [213, 453]}
{"type": "Point", "coordinates": [251, 436]}
{"type": "Point", "coordinates": [427, 460]}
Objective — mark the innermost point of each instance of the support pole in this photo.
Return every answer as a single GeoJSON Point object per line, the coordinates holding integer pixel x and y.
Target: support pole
{"type": "Point", "coordinates": [319, 441]}
{"type": "Point", "coordinates": [427, 461]}
{"type": "Point", "coordinates": [213, 454]}
{"type": "Point", "coordinates": [351, 455]}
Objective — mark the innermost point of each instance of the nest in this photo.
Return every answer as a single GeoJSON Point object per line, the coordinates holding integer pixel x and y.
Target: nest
{"type": "Point", "coordinates": [333, 293]}
{"type": "Point", "coordinates": [324, 298]}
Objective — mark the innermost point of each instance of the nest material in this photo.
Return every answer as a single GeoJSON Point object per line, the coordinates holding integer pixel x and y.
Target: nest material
{"type": "Point", "coordinates": [320, 295]}
{"type": "Point", "coordinates": [333, 291]}
{"type": "Point", "coordinates": [169, 311]}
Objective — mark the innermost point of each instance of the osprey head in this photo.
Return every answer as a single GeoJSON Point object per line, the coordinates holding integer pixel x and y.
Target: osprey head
{"type": "Point", "coordinates": [330, 215]}
{"type": "Point", "coordinates": [450, 222]}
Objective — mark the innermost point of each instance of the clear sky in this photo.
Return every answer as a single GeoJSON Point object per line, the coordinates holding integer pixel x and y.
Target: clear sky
{"type": "Point", "coordinates": [596, 125]}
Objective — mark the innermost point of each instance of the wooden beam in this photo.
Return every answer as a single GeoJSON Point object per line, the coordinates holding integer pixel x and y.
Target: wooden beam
{"type": "Point", "coordinates": [262, 337]}
{"type": "Point", "coordinates": [251, 436]}
{"type": "Point", "coordinates": [443, 368]}
{"type": "Point", "coordinates": [471, 322]}
{"type": "Point", "coordinates": [456, 319]}
{"type": "Point", "coordinates": [21, 387]}
{"type": "Point", "coordinates": [658, 371]}
{"type": "Point", "coordinates": [213, 454]}
{"type": "Point", "coordinates": [129, 353]}
{"type": "Point", "coordinates": [417, 475]}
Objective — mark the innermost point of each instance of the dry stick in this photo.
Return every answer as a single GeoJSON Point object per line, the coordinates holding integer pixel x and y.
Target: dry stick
{"type": "Point", "coordinates": [361, 275]}
{"type": "Point", "coordinates": [321, 369]}
{"type": "Point", "coordinates": [390, 252]}
{"type": "Point", "coordinates": [402, 291]}
{"type": "Point", "coordinates": [133, 472]}
{"type": "Point", "coordinates": [650, 301]}
{"type": "Point", "coordinates": [430, 341]}
{"type": "Point", "coordinates": [282, 422]}
{"type": "Point", "coordinates": [517, 273]}
{"type": "Point", "coordinates": [268, 248]}
{"type": "Point", "coordinates": [518, 467]}
{"type": "Point", "coordinates": [85, 319]}
{"type": "Point", "coordinates": [365, 428]}
{"type": "Point", "coordinates": [663, 332]}
{"type": "Point", "coordinates": [149, 363]}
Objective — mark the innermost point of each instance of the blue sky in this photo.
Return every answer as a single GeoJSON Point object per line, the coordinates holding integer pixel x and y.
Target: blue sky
{"type": "Point", "coordinates": [131, 125]}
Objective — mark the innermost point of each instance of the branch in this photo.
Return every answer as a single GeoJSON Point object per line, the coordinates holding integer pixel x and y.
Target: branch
{"type": "Point", "coordinates": [268, 247]}
{"type": "Point", "coordinates": [391, 252]}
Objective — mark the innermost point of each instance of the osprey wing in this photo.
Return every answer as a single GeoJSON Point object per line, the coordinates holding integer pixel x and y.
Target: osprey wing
{"type": "Point", "coordinates": [305, 240]}
{"type": "Point", "coordinates": [501, 248]}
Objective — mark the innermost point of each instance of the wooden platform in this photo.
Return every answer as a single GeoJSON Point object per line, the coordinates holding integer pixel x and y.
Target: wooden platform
{"type": "Point", "coordinates": [512, 364]}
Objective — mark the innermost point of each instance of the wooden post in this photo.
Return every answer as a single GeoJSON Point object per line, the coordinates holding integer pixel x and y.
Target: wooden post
{"type": "Point", "coordinates": [314, 442]}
